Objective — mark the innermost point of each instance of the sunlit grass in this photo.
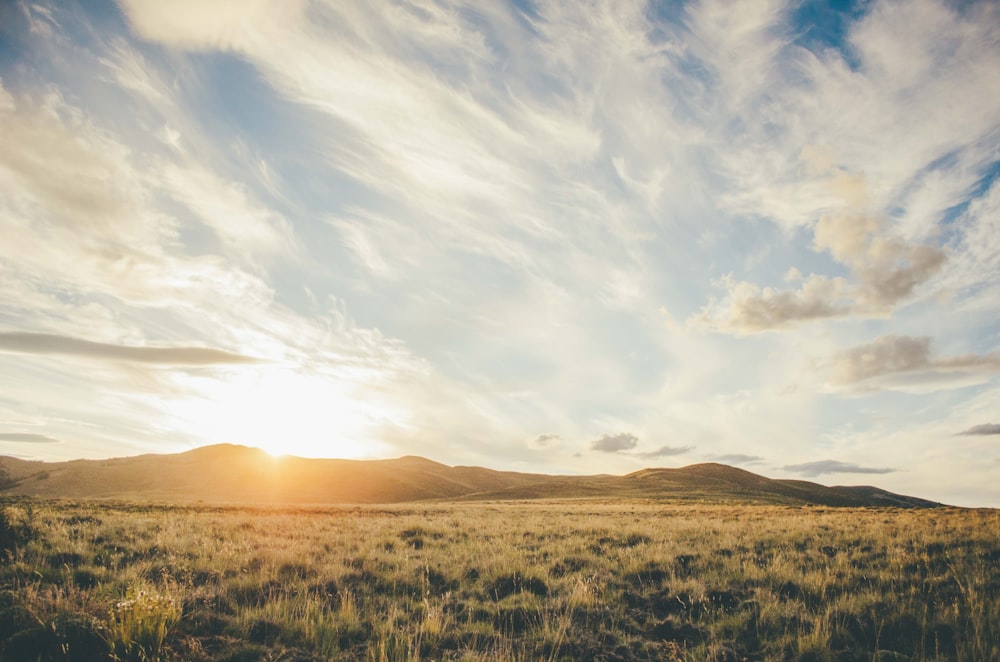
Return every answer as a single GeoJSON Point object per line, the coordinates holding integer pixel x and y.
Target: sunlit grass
{"type": "Point", "coordinates": [549, 581]}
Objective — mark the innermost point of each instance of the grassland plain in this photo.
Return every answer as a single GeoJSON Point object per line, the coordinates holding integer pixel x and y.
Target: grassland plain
{"type": "Point", "coordinates": [600, 580]}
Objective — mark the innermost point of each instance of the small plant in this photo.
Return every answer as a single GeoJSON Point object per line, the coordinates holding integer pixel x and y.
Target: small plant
{"type": "Point", "coordinates": [138, 626]}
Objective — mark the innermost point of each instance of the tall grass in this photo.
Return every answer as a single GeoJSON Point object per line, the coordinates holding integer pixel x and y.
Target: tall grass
{"type": "Point", "coordinates": [529, 581]}
{"type": "Point", "coordinates": [138, 625]}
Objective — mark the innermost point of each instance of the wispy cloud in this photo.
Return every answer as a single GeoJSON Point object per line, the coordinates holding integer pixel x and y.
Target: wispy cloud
{"type": "Point", "coordinates": [223, 25]}
{"type": "Point", "coordinates": [81, 214]}
{"type": "Point", "coordinates": [974, 271]}
{"type": "Point", "coordinates": [243, 226]}
{"type": "Point", "coordinates": [28, 438]}
{"type": "Point", "coordinates": [46, 343]}
{"type": "Point", "coordinates": [821, 467]}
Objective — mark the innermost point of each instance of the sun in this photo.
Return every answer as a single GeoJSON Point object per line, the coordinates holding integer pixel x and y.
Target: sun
{"type": "Point", "coordinates": [283, 411]}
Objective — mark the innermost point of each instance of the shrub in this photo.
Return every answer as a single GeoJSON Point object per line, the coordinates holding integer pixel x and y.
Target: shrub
{"type": "Point", "coordinates": [15, 530]}
{"type": "Point", "coordinates": [69, 636]}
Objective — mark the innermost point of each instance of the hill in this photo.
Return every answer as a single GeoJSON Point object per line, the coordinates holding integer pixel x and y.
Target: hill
{"type": "Point", "coordinates": [227, 473]}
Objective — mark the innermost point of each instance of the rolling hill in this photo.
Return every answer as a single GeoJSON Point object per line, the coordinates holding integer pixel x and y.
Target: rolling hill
{"type": "Point", "coordinates": [227, 473]}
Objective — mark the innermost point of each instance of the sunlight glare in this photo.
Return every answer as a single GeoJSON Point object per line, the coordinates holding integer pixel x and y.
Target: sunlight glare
{"type": "Point", "coordinates": [284, 411]}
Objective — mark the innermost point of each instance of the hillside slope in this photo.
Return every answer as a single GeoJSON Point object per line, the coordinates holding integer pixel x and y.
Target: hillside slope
{"type": "Point", "coordinates": [236, 474]}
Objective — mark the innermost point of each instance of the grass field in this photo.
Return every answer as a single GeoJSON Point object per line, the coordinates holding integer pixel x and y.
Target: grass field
{"type": "Point", "coordinates": [497, 581]}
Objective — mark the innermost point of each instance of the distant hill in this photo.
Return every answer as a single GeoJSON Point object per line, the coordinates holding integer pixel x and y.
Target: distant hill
{"type": "Point", "coordinates": [227, 473]}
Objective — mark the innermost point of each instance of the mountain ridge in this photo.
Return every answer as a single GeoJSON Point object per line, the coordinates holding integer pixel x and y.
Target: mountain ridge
{"type": "Point", "coordinates": [229, 473]}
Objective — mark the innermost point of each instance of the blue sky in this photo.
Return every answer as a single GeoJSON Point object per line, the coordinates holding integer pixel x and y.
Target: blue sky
{"type": "Point", "coordinates": [535, 236]}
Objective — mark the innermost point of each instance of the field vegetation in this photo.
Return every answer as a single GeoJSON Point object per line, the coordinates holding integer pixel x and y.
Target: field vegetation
{"type": "Point", "coordinates": [551, 580]}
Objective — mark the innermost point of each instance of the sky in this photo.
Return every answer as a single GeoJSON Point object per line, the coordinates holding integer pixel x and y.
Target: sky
{"type": "Point", "coordinates": [547, 236]}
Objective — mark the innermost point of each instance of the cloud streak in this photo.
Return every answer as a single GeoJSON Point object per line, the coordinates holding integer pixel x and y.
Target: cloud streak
{"type": "Point", "coordinates": [46, 343]}
{"type": "Point", "coordinates": [664, 451]}
{"type": "Point", "coordinates": [985, 429]}
{"type": "Point", "coordinates": [28, 438]}
{"type": "Point", "coordinates": [820, 467]}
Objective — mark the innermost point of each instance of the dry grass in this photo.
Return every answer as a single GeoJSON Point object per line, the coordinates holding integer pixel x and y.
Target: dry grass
{"type": "Point", "coordinates": [518, 581]}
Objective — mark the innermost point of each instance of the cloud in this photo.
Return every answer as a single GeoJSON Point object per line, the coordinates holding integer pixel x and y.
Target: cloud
{"type": "Point", "coordinates": [883, 356]}
{"type": "Point", "coordinates": [45, 343]}
{"type": "Point", "coordinates": [28, 438]}
{"type": "Point", "coordinates": [665, 451]}
{"type": "Point", "coordinates": [750, 308]}
{"type": "Point", "coordinates": [885, 270]}
{"type": "Point", "coordinates": [833, 467]}
{"type": "Point", "coordinates": [984, 429]}
{"type": "Point", "coordinates": [65, 166]}
{"type": "Point", "coordinates": [893, 361]}
{"type": "Point", "coordinates": [975, 271]}
{"type": "Point", "coordinates": [227, 208]}
{"type": "Point", "coordinates": [194, 25]}
{"type": "Point", "coordinates": [615, 443]}
{"type": "Point", "coordinates": [544, 440]}
{"type": "Point", "coordinates": [902, 111]}
{"type": "Point", "coordinates": [79, 213]}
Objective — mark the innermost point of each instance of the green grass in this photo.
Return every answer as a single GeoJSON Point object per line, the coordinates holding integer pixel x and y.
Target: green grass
{"type": "Point", "coordinates": [498, 581]}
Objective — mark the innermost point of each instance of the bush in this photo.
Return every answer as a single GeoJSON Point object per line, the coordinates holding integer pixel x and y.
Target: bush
{"type": "Point", "coordinates": [15, 530]}
{"type": "Point", "coordinates": [70, 636]}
